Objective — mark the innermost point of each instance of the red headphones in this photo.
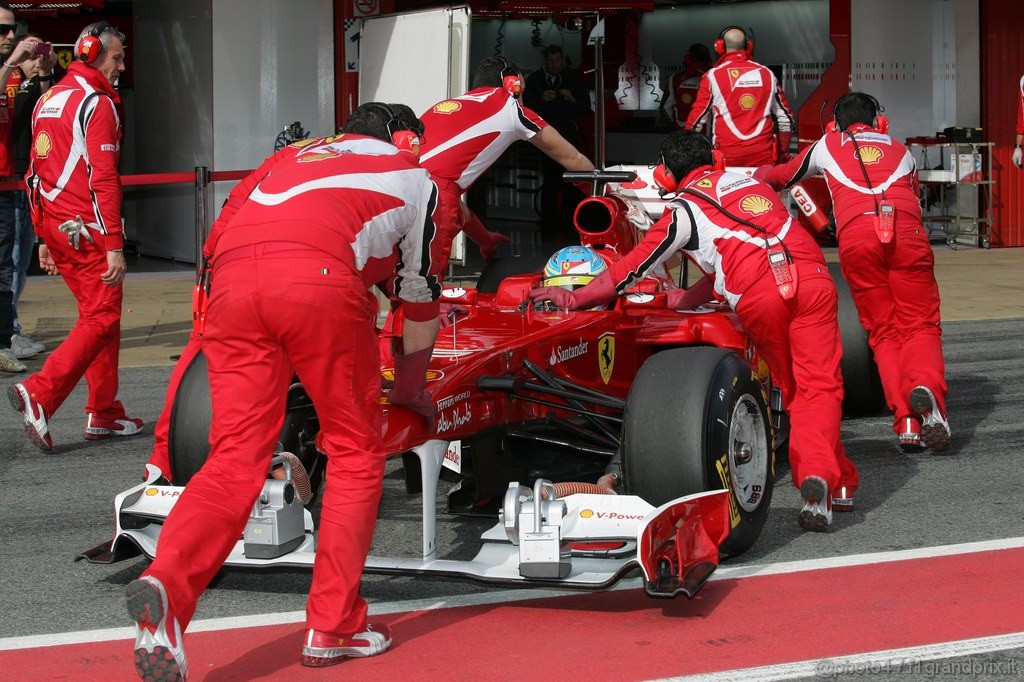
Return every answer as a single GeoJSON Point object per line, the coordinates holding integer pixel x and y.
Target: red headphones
{"type": "Point", "coordinates": [511, 80]}
{"type": "Point", "coordinates": [90, 46]}
{"type": "Point", "coordinates": [666, 180]}
{"type": "Point", "coordinates": [720, 43]}
{"type": "Point", "coordinates": [401, 136]}
{"type": "Point", "coordinates": [881, 123]}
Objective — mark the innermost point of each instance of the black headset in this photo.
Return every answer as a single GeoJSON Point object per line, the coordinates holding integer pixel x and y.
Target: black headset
{"type": "Point", "coordinates": [402, 136]}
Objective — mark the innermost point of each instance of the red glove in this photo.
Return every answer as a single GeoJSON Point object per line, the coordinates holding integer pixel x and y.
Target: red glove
{"type": "Point", "coordinates": [599, 291]}
{"type": "Point", "coordinates": [683, 299]}
{"type": "Point", "coordinates": [784, 140]}
{"type": "Point", "coordinates": [410, 389]}
{"type": "Point", "coordinates": [761, 173]}
{"type": "Point", "coordinates": [688, 299]}
{"type": "Point", "coordinates": [489, 250]}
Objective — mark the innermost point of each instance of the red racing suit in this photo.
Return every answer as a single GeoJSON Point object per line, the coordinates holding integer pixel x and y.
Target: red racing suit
{"type": "Point", "coordinates": [375, 270]}
{"type": "Point", "coordinates": [893, 285]}
{"type": "Point", "coordinates": [289, 296]}
{"type": "Point", "coordinates": [798, 337]}
{"type": "Point", "coordinates": [744, 97]}
{"type": "Point", "coordinates": [464, 136]}
{"type": "Point", "coordinates": [683, 88]}
{"type": "Point", "coordinates": [73, 172]}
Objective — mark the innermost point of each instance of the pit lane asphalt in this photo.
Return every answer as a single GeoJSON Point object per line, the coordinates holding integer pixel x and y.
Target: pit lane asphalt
{"type": "Point", "coordinates": [54, 505]}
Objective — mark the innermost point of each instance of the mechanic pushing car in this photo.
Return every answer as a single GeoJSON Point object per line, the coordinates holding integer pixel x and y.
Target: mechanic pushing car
{"type": "Point", "coordinates": [467, 134]}
{"type": "Point", "coordinates": [744, 97]}
{"type": "Point", "coordinates": [774, 276]}
{"type": "Point", "coordinates": [298, 249]}
{"type": "Point", "coordinates": [887, 259]}
{"type": "Point", "coordinates": [158, 467]}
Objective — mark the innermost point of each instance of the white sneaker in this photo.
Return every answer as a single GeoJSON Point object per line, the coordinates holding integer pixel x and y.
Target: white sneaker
{"type": "Point", "coordinates": [816, 514]}
{"type": "Point", "coordinates": [27, 340]}
{"type": "Point", "coordinates": [21, 349]}
{"type": "Point", "coordinates": [935, 431]}
{"type": "Point", "coordinates": [9, 362]}
{"type": "Point", "coordinates": [159, 654]}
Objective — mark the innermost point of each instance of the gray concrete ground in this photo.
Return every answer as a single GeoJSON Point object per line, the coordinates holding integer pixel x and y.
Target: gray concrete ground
{"type": "Point", "coordinates": [55, 505]}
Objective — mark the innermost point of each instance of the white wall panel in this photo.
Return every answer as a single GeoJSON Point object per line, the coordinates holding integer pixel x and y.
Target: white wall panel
{"type": "Point", "coordinates": [170, 121]}
{"type": "Point", "coordinates": [921, 62]}
{"type": "Point", "coordinates": [273, 65]}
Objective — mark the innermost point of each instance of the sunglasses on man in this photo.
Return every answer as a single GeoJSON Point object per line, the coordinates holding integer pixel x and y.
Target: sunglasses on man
{"type": "Point", "coordinates": [8, 28]}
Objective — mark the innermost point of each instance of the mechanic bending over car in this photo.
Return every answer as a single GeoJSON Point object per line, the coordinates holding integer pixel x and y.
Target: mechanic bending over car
{"type": "Point", "coordinates": [887, 259]}
{"type": "Point", "coordinates": [774, 276]}
{"type": "Point", "coordinates": [743, 97]}
{"type": "Point", "coordinates": [467, 134]}
{"type": "Point", "coordinates": [303, 246]}
{"type": "Point", "coordinates": [158, 466]}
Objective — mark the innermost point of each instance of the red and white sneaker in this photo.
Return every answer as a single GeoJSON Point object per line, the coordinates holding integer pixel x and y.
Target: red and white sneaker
{"type": "Point", "coordinates": [35, 416]}
{"type": "Point", "coordinates": [816, 514]}
{"type": "Point", "coordinates": [159, 655]}
{"type": "Point", "coordinates": [935, 431]}
{"type": "Point", "coordinates": [323, 648]}
{"type": "Point", "coordinates": [910, 434]}
{"type": "Point", "coordinates": [842, 500]}
{"type": "Point", "coordinates": [98, 428]}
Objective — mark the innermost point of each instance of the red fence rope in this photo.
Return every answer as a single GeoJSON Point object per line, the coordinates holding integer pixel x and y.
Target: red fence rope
{"type": "Point", "coordinates": [151, 179]}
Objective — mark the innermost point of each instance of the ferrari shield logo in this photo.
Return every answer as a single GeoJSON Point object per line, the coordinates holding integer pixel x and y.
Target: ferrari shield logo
{"type": "Point", "coordinates": [606, 355]}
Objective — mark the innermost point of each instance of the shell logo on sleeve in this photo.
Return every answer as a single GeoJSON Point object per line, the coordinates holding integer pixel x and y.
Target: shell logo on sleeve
{"type": "Point", "coordinates": [871, 154]}
{"type": "Point", "coordinates": [449, 106]}
{"type": "Point", "coordinates": [43, 145]}
{"type": "Point", "coordinates": [755, 204]}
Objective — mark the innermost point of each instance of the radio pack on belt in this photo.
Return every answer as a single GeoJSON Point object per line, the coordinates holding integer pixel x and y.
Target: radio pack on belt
{"type": "Point", "coordinates": [785, 277]}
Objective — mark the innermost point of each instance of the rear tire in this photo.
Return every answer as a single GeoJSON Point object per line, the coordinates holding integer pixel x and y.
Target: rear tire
{"type": "Point", "coordinates": [189, 432]}
{"type": "Point", "coordinates": [862, 387]}
{"type": "Point", "coordinates": [696, 420]}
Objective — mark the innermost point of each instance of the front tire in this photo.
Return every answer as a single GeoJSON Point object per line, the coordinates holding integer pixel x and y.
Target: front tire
{"type": "Point", "coordinates": [696, 420]}
{"type": "Point", "coordinates": [188, 439]}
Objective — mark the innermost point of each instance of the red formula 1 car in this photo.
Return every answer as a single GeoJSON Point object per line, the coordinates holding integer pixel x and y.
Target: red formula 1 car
{"type": "Point", "coordinates": [542, 413]}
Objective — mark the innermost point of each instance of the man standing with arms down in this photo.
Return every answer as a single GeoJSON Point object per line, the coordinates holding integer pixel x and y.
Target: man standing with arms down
{"type": "Point", "coordinates": [12, 54]}
{"type": "Point", "coordinates": [774, 276]}
{"type": "Point", "coordinates": [745, 97]}
{"type": "Point", "coordinates": [886, 258]}
{"type": "Point", "coordinates": [555, 91]}
{"type": "Point", "coordinates": [466, 135]}
{"type": "Point", "coordinates": [300, 248]}
{"type": "Point", "coordinates": [75, 194]}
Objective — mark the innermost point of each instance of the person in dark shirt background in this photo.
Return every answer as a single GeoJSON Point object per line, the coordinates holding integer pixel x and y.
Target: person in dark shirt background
{"type": "Point", "coordinates": [556, 93]}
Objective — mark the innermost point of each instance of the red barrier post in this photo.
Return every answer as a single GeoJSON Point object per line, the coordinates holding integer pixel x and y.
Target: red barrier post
{"type": "Point", "coordinates": [202, 217]}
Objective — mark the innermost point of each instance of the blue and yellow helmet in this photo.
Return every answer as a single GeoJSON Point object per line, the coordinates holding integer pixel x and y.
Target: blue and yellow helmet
{"type": "Point", "coordinates": [573, 267]}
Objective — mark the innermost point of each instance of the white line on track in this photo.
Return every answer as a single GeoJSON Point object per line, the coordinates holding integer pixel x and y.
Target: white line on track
{"type": "Point", "coordinates": [911, 661]}
{"type": "Point", "coordinates": [511, 596]}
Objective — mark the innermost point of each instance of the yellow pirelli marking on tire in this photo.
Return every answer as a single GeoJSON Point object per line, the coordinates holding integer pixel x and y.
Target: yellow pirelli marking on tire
{"type": "Point", "coordinates": [722, 466]}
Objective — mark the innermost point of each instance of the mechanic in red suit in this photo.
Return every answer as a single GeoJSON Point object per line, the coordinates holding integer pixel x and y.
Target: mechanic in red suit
{"type": "Point", "coordinates": [1018, 155]}
{"type": "Point", "coordinates": [684, 85]}
{"type": "Point", "coordinates": [731, 226]}
{"type": "Point", "coordinates": [744, 97]}
{"type": "Point", "coordinates": [75, 190]}
{"type": "Point", "coordinates": [376, 270]}
{"type": "Point", "coordinates": [466, 135]}
{"type": "Point", "coordinates": [298, 250]}
{"type": "Point", "coordinates": [887, 259]}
